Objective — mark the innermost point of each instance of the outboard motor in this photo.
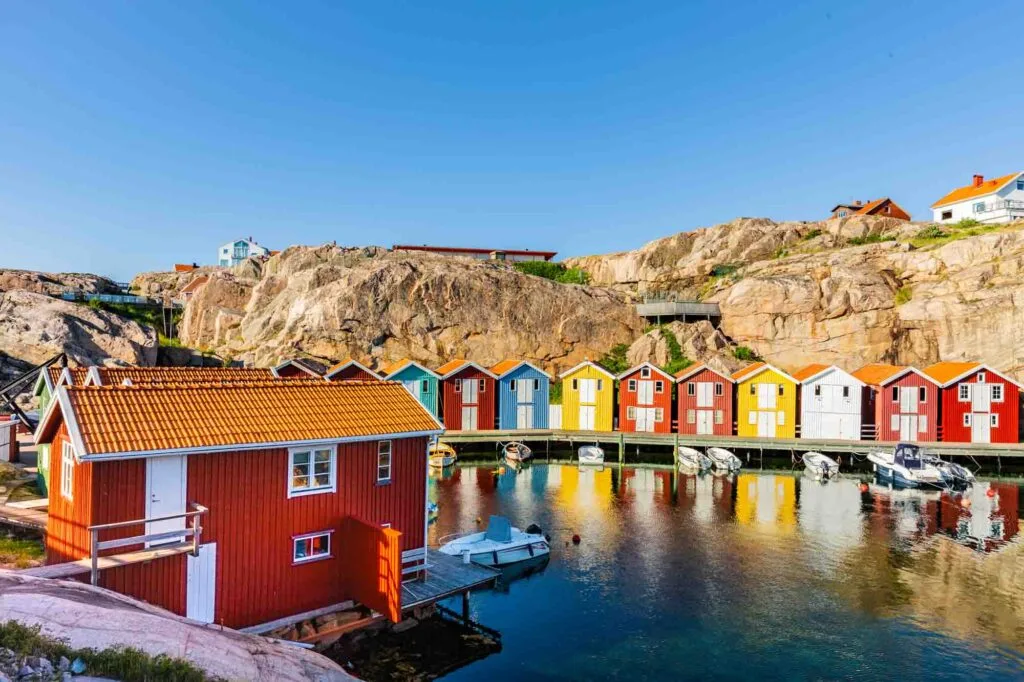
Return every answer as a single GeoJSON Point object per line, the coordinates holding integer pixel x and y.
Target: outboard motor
{"type": "Point", "coordinates": [534, 529]}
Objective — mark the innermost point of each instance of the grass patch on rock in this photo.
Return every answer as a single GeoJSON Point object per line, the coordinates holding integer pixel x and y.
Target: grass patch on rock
{"type": "Point", "coordinates": [877, 238]}
{"type": "Point", "coordinates": [556, 272]}
{"type": "Point", "coordinates": [17, 552]}
{"type": "Point", "coordinates": [904, 294]}
{"type": "Point", "coordinates": [745, 354]}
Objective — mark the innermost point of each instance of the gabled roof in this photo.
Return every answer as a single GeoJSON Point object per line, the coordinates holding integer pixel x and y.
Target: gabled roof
{"type": "Point", "coordinates": [194, 284]}
{"type": "Point", "coordinates": [685, 374]}
{"type": "Point", "coordinates": [949, 373]}
{"type": "Point", "coordinates": [972, 192]}
{"type": "Point", "coordinates": [301, 364]}
{"type": "Point", "coordinates": [389, 370]}
{"type": "Point", "coordinates": [349, 362]}
{"type": "Point", "coordinates": [507, 366]}
{"type": "Point", "coordinates": [750, 371]}
{"type": "Point", "coordinates": [654, 367]}
{"type": "Point", "coordinates": [131, 421]}
{"type": "Point", "coordinates": [596, 366]}
{"type": "Point", "coordinates": [457, 365]}
{"type": "Point", "coordinates": [817, 370]}
{"type": "Point", "coordinates": [116, 376]}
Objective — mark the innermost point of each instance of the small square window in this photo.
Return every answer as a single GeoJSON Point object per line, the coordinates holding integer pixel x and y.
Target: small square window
{"type": "Point", "coordinates": [512, 385]}
{"type": "Point", "coordinates": [947, 215]}
{"type": "Point", "coordinates": [817, 389]}
{"type": "Point", "coordinates": [967, 418]}
{"type": "Point", "coordinates": [846, 391]}
{"type": "Point", "coordinates": [753, 389]}
{"type": "Point", "coordinates": [309, 547]}
{"type": "Point", "coordinates": [782, 390]}
{"type": "Point", "coordinates": [659, 414]}
{"type": "Point", "coordinates": [659, 386]}
{"type": "Point", "coordinates": [995, 419]}
{"type": "Point", "coordinates": [575, 384]}
{"type": "Point", "coordinates": [630, 413]}
{"type": "Point", "coordinates": [384, 461]}
{"type": "Point", "coordinates": [997, 393]}
{"type": "Point", "coordinates": [600, 384]}
{"type": "Point", "coordinates": [536, 384]}
{"type": "Point", "coordinates": [312, 471]}
{"type": "Point", "coordinates": [631, 386]}
{"type": "Point", "coordinates": [645, 373]}
{"type": "Point", "coordinates": [483, 385]}
{"type": "Point", "coordinates": [922, 395]}
{"type": "Point", "coordinates": [424, 386]}
{"type": "Point", "coordinates": [458, 387]}
{"type": "Point", "coordinates": [981, 377]}
{"type": "Point", "coordinates": [979, 207]}
{"type": "Point", "coordinates": [691, 417]}
{"type": "Point", "coordinates": [719, 416]}
{"type": "Point", "coordinates": [965, 392]}
{"type": "Point", "coordinates": [1020, 183]}
{"type": "Point", "coordinates": [719, 388]}
{"type": "Point", "coordinates": [691, 388]}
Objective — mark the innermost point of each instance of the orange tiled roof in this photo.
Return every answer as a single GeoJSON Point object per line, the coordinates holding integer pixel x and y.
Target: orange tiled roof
{"type": "Point", "coordinates": [451, 366]}
{"type": "Point", "coordinates": [504, 366]}
{"type": "Point", "coordinates": [392, 367]}
{"type": "Point", "coordinates": [970, 191]}
{"type": "Point", "coordinates": [115, 376]}
{"type": "Point", "coordinates": [877, 374]}
{"type": "Point", "coordinates": [809, 371]}
{"type": "Point", "coordinates": [118, 419]}
{"type": "Point", "coordinates": [749, 369]}
{"type": "Point", "coordinates": [77, 374]}
{"type": "Point", "coordinates": [195, 284]}
{"type": "Point", "coordinates": [944, 372]}
{"type": "Point", "coordinates": [692, 369]}
{"type": "Point", "coordinates": [867, 208]}
{"type": "Point", "coordinates": [339, 365]}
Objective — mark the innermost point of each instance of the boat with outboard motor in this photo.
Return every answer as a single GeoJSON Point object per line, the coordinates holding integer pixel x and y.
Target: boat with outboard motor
{"type": "Point", "coordinates": [906, 467]}
{"type": "Point", "coordinates": [441, 455]}
{"type": "Point", "coordinates": [591, 454]}
{"type": "Point", "coordinates": [723, 460]}
{"type": "Point", "coordinates": [516, 452]}
{"type": "Point", "coordinates": [955, 475]}
{"type": "Point", "coordinates": [693, 460]}
{"type": "Point", "coordinates": [499, 545]}
{"type": "Point", "coordinates": [820, 466]}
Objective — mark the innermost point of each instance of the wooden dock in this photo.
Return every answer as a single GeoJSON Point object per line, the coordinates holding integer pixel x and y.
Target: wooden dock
{"type": "Point", "coordinates": [446, 576]}
{"type": "Point", "coordinates": [780, 446]}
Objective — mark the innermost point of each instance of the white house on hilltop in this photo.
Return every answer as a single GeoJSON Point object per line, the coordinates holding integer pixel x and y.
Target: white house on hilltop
{"type": "Point", "coordinates": [988, 201]}
{"type": "Point", "coordinates": [235, 252]}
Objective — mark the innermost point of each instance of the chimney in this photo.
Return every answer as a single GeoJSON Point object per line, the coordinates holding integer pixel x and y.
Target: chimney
{"type": "Point", "coordinates": [857, 202]}
{"type": "Point", "coordinates": [979, 180]}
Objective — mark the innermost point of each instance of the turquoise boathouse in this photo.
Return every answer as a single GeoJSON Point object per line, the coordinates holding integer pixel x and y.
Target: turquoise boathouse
{"type": "Point", "coordinates": [417, 379]}
{"type": "Point", "coordinates": [522, 395]}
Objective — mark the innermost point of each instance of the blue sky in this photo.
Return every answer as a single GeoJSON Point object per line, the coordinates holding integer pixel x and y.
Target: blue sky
{"type": "Point", "coordinates": [134, 135]}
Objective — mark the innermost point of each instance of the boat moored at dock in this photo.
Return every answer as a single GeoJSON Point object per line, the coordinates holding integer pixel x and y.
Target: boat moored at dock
{"type": "Point", "coordinates": [591, 454]}
{"type": "Point", "coordinates": [723, 460]}
{"type": "Point", "coordinates": [820, 466]}
{"type": "Point", "coordinates": [516, 452]}
{"type": "Point", "coordinates": [691, 459]}
{"type": "Point", "coordinates": [906, 467]}
{"type": "Point", "coordinates": [442, 455]}
{"type": "Point", "coordinates": [499, 545]}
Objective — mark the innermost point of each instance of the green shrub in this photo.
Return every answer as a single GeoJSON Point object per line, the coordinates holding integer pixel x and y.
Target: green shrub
{"type": "Point", "coordinates": [555, 393]}
{"type": "Point", "coordinates": [556, 272]}
{"type": "Point", "coordinates": [816, 232]}
{"type": "Point", "coordinates": [615, 360]}
{"type": "Point", "coordinates": [870, 239]}
{"type": "Point", "coordinates": [745, 353]}
{"type": "Point", "coordinates": [967, 223]}
{"type": "Point", "coordinates": [780, 252]}
{"type": "Point", "coordinates": [677, 360]}
{"type": "Point", "coordinates": [931, 232]}
{"type": "Point", "coordinates": [904, 294]}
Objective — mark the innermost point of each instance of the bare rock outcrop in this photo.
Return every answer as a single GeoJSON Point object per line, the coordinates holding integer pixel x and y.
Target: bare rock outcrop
{"type": "Point", "coordinates": [699, 341]}
{"type": "Point", "coordinates": [54, 283]}
{"type": "Point", "coordinates": [330, 303]}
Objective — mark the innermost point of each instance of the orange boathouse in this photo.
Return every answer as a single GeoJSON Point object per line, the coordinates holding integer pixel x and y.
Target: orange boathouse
{"type": "Point", "coordinates": [309, 494]}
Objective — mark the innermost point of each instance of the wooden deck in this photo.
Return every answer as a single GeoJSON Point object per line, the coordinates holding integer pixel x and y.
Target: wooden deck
{"type": "Point", "coordinates": [72, 568]}
{"type": "Point", "coordinates": [23, 517]}
{"type": "Point", "coordinates": [445, 576]}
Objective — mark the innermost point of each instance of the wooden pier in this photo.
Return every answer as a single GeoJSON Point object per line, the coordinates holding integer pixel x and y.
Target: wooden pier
{"type": "Point", "coordinates": [446, 576]}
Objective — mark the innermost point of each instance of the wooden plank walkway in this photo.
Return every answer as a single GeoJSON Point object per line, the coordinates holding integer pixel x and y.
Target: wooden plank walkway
{"type": "Point", "coordinates": [669, 440]}
{"type": "Point", "coordinates": [72, 568]}
{"type": "Point", "coordinates": [446, 576]}
{"type": "Point", "coordinates": [25, 518]}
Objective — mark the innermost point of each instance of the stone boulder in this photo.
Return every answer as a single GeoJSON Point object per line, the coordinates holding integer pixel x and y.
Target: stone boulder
{"type": "Point", "coordinates": [54, 283]}
{"type": "Point", "coordinates": [699, 341]}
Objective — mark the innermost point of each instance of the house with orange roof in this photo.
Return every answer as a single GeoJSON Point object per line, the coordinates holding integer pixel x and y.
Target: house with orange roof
{"type": "Point", "coordinates": [766, 399]}
{"type": "Point", "coordinates": [979, 404]}
{"type": "Point", "coordinates": [830, 403]}
{"type": "Point", "coordinates": [523, 395]}
{"type": "Point", "coordinates": [467, 396]}
{"type": "Point", "coordinates": [884, 207]}
{"type": "Point", "coordinates": [350, 370]}
{"type": "Point", "coordinates": [1000, 200]}
{"type": "Point", "coordinates": [276, 500]}
{"type": "Point", "coordinates": [900, 402]}
{"type": "Point", "coordinates": [420, 381]}
{"type": "Point", "coordinates": [645, 399]}
{"type": "Point", "coordinates": [704, 401]}
{"type": "Point", "coordinates": [189, 290]}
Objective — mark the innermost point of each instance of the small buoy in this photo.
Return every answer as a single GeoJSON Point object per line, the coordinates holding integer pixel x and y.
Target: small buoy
{"type": "Point", "coordinates": [965, 502]}
{"type": "Point", "coordinates": [575, 539]}
{"type": "Point", "coordinates": [478, 520]}
{"type": "Point", "coordinates": [863, 487]}
{"type": "Point", "coordinates": [991, 492]}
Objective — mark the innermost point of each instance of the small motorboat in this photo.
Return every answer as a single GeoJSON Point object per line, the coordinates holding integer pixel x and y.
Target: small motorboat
{"type": "Point", "coordinates": [441, 455]}
{"type": "Point", "coordinates": [693, 460]}
{"type": "Point", "coordinates": [590, 454]}
{"type": "Point", "coordinates": [723, 460]}
{"type": "Point", "coordinates": [905, 467]}
{"type": "Point", "coordinates": [955, 475]}
{"type": "Point", "coordinates": [820, 466]}
{"type": "Point", "coordinates": [517, 452]}
{"type": "Point", "coordinates": [499, 545]}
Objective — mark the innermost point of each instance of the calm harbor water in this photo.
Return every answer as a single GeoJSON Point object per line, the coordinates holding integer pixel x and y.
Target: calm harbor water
{"type": "Point", "coordinates": [756, 576]}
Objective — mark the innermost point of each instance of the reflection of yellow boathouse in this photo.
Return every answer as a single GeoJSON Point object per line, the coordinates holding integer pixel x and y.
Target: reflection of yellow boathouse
{"type": "Point", "coordinates": [587, 489]}
{"type": "Point", "coordinates": [766, 502]}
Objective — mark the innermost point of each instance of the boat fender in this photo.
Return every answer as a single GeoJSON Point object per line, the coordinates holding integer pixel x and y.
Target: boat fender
{"type": "Point", "coordinates": [991, 492]}
{"type": "Point", "coordinates": [478, 520]}
{"type": "Point", "coordinates": [965, 502]}
{"type": "Point", "coordinates": [575, 539]}
{"type": "Point", "coordinates": [533, 529]}
{"type": "Point", "coordinates": [863, 487]}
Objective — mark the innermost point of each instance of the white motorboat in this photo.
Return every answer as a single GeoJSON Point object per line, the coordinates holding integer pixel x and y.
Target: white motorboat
{"type": "Point", "coordinates": [693, 460]}
{"type": "Point", "coordinates": [723, 460]}
{"type": "Point", "coordinates": [516, 452]}
{"type": "Point", "coordinates": [955, 475]}
{"type": "Point", "coordinates": [820, 466]}
{"type": "Point", "coordinates": [441, 455]}
{"type": "Point", "coordinates": [590, 454]}
{"type": "Point", "coordinates": [906, 467]}
{"type": "Point", "coordinates": [499, 545]}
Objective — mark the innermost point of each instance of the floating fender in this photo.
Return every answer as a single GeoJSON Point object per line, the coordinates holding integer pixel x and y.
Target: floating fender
{"type": "Point", "coordinates": [534, 529]}
{"type": "Point", "coordinates": [965, 502]}
{"type": "Point", "coordinates": [863, 487]}
{"type": "Point", "coordinates": [575, 539]}
{"type": "Point", "coordinates": [991, 492]}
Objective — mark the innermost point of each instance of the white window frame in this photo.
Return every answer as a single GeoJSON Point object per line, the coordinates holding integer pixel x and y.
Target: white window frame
{"type": "Point", "coordinates": [659, 415]}
{"type": "Point", "coordinates": [967, 418]}
{"type": "Point", "coordinates": [631, 385]}
{"type": "Point", "coordinates": [67, 471]}
{"type": "Point", "coordinates": [659, 386]}
{"type": "Point", "coordinates": [922, 423]}
{"type": "Point", "coordinates": [691, 388]}
{"type": "Point", "coordinates": [630, 413]}
{"type": "Point", "coordinates": [995, 420]}
{"type": "Point", "coordinates": [458, 386]}
{"type": "Point", "coordinates": [310, 489]}
{"type": "Point", "coordinates": [981, 377]}
{"type": "Point", "coordinates": [719, 416]}
{"type": "Point", "coordinates": [482, 386]}
{"type": "Point", "coordinates": [385, 447]}
{"type": "Point", "coordinates": [1002, 393]}
{"type": "Point", "coordinates": [964, 393]}
{"type": "Point", "coordinates": [645, 372]}
{"type": "Point", "coordinates": [719, 388]}
{"type": "Point", "coordinates": [312, 557]}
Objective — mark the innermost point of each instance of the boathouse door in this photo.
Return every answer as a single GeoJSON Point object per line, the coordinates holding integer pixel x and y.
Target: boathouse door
{"type": "Point", "coordinates": [705, 422]}
{"type": "Point", "coordinates": [645, 392]}
{"type": "Point", "coordinates": [766, 422]}
{"type": "Point", "coordinates": [201, 584]}
{"type": "Point", "coordinates": [705, 395]}
{"type": "Point", "coordinates": [981, 427]}
{"type": "Point", "coordinates": [524, 417]}
{"type": "Point", "coordinates": [165, 495]}
{"type": "Point", "coordinates": [981, 398]}
{"type": "Point", "coordinates": [766, 397]}
{"type": "Point", "coordinates": [469, 416]}
{"type": "Point", "coordinates": [908, 426]}
{"type": "Point", "coordinates": [587, 413]}
{"type": "Point", "coordinates": [645, 419]}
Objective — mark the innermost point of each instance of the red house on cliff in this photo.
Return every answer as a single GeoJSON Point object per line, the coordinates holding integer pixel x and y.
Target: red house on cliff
{"type": "Point", "coordinates": [308, 494]}
{"type": "Point", "coordinates": [350, 370]}
{"type": "Point", "coordinates": [467, 396]}
{"type": "Point", "coordinates": [645, 400]}
{"type": "Point", "coordinates": [979, 405]}
{"type": "Point", "coordinates": [705, 399]}
{"type": "Point", "coordinates": [902, 403]}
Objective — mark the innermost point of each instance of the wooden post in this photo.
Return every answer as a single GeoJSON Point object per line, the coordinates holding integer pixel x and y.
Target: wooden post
{"type": "Point", "coordinates": [94, 572]}
{"type": "Point", "coordinates": [622, 448]}
{"type": "Point", "coordinates": [675, 452]}
{"type": "Point", "coordinates": [465, 606]}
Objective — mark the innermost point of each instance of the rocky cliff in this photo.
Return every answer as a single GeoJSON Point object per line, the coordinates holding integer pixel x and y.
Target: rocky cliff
{"type": "Point", "coordinates": [844, 291]}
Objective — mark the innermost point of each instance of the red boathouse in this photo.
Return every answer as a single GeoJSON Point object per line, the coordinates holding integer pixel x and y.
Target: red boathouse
{"type": "Point", "coordinates": [350, 370]}
{"type": "Point", "coordinates": [705, 399]}
{"type": "Point", "coordinates": [467, 396]}
{"type": "Point", "coordinates": [979, 405]}
{"type": "Point", "coordinates": [308, 494]}
{"type": "Point", "coordinates": [901, 402]}
{"type": "Point", "coordinates": [645, 400]}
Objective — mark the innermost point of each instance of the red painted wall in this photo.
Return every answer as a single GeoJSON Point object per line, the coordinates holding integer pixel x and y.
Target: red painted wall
{"type": "Point", "coordinates": [879, 407]}
{"type": "Point", "coordinates": [663, 400]}
{"type": "Point", "coordinates": [293, 372]}
{"type": "Point", "coordinates": [67, 537]}
{"type": "Point", "coordinates": [353, 373]}
{"type": "Point", "coordinates": [722, 402]}
{"type": "Point", "coordinates": [953, 429]}
{"type": "Point", "coordinates": [451, 401]}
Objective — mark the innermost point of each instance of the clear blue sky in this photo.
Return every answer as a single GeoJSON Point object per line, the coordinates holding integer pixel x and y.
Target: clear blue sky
{"type": "Point", "coordinates": [138, 134]}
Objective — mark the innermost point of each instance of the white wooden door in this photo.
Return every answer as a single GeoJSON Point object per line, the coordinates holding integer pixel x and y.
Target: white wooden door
{"type": "Point", "coordinates": [645, 419]}
{"type": "Point", "coordinates": [766, 424]}
{"type": "Point", "coordinates": [908, 400]}
{"type": "Point", "coordinates": [469, 391]}
{"type": "Point", "coordinates": [6, 431]}
{"type": "Point", "coordinates": [165, 495]}
{"type": "Point", "coordinates": [981, 399]}
{"type": "Point", "coordinates": [766, 396]}
{"type": "Point", "coordinates": [645, 392]}
{"type": "Point", "coordinates": [588, 390]}
{"type": "Point", "coordinates": [908, 426]}
{"type": "Point", "coordinates": [469, 418]}
{"type": "Point", "coordinates": [981, 426]}
{"type": "Point", "coordinates": [524, 417]}
{"type": "Point", "coordinates": [587, 413]}
{"type": "Point", "coordinates": [524, 391]}
{"type": "Point", "coordinates": [201, 584]}
{"type": "Point", "coordinates": [705, 394]}
{"type": "Point", "coordinates": [705, 422]}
